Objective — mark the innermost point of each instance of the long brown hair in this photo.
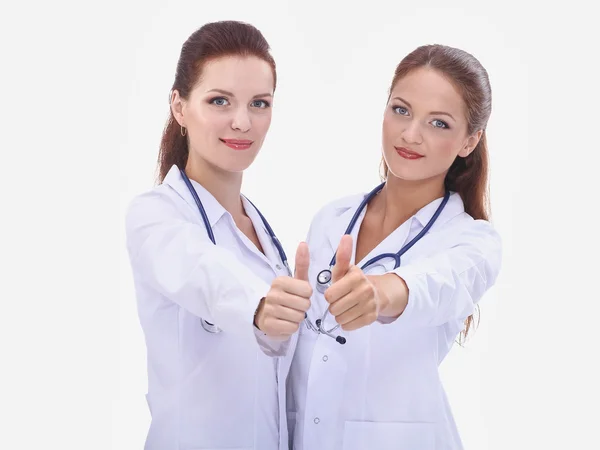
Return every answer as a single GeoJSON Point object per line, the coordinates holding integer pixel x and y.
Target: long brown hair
{"type": "Point", "coordinates": [466, 176]}
{"type": "Point", "coordinates": [211, 41]}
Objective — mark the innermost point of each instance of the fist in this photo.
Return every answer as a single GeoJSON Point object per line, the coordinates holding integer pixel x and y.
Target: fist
{"type": "Point", "coordinates": [353, 299]}
{"type": "Point", "coordinates": [281, 312]}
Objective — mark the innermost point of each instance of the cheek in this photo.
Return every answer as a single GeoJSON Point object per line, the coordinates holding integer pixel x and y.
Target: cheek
{"type": "Point", "coordinates": [201, 118]}
{"type": "Point", "coordinates": [212, 125]}
{"type": "Point", "coordinates": [389, 128]}
{"type": "Point", "coordinates": [446, 147]}
{"type": "Point", "coordinates": [261, 124]}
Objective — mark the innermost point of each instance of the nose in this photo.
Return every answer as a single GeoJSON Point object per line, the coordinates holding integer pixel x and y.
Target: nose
{"type": "Point", "coordinates": [241, 120]}
{"type": "Point", "coordinates": [412, 133]}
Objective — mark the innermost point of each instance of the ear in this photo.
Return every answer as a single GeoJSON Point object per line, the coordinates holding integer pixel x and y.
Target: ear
{"type": "Point", "coordinates": [470, 145]}
{"type": "Point", "coordinates": [177, 107]}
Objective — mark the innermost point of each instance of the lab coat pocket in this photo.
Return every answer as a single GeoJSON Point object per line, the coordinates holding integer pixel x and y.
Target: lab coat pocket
{"type": "Point", "coordinates": [389, 436]}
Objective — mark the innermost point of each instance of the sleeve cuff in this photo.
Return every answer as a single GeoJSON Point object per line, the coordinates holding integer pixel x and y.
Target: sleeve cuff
{"type": "Point", "coordinates": [233, 312]}
{"type": "Point", "coordinates": [269, 346]}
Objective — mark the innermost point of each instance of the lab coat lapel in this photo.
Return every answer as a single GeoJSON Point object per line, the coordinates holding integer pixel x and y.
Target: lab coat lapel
{"type": "Point", "coordinates": [337, 228]}
{"type": "Point", "coordinates": [271, 255]}
{"type": "Point", "coordinates": [214, 210]}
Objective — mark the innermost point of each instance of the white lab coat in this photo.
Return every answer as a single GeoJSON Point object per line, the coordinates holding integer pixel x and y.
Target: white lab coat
{"type": "Point", "coordinates": [381, 390]}
{"type": "Point", "coordinates": [205, 391]}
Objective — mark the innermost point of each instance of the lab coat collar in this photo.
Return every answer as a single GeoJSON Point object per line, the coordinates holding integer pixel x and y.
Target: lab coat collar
{"type": "Point", "coordinates": [253, 214]}
{"type": "Point", "coordinates": [453, 208]}
{"type": "Point", "coordinates": [345, 212]}
{"type": "Point", "coordinates": [214, 210]}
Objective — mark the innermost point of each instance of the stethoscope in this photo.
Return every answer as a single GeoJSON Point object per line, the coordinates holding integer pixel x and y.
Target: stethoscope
{"type": "Point", "coordinates": [324, 276]}
{"type": "Point", "coordinates": [211, 328]}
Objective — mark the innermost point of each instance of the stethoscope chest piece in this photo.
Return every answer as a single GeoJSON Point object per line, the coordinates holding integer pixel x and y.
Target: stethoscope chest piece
{"type": "Point", "coordinates": [323, 280]}
{"type": "Point", "coordinates": [213, 329]}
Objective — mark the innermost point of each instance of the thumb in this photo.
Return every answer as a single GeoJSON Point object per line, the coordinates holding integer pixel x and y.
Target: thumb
{"type": "Point", "coordinates": [302, 262]}
{"type": "Point", "coordinates": [342, 258]}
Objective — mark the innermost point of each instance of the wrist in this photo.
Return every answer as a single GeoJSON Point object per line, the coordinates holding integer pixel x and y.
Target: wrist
{"type": "Point", "coordinates": [258, 313]}
{"type": "Point", "coordinates": [394, 292]}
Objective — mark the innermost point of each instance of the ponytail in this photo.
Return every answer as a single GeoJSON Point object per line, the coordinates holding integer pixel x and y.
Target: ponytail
{"type": "Point", "coordinates": [173, 148]}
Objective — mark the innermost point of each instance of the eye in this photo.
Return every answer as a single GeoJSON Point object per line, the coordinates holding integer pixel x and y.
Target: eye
{"type": "Point", "coordinates": [260, 104]}
{"type": "Point", "coordinates": [439, 124]}
{"type": "Point", "coordinates": [219, 101]}
{"type": "Point", "coordinates": [400, 110]}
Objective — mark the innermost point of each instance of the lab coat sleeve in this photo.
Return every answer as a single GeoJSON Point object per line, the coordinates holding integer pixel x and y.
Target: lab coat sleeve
{"type": "Point", "coordinates": [270, 346]}
{"type": "Point", "coordinates": [447, 285]}
{"type": "Point", "coordinates": [176, 258]}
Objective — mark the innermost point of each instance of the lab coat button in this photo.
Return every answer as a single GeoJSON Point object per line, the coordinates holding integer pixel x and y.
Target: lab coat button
{"type": "Point", "coordinates": [325, 358]}
{"type": "Point", "coordinates": [317, 420]}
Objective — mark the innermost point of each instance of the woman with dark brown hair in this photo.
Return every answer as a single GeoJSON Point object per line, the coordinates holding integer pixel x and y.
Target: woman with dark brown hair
{"type": "Point", "coordinates": [216, 299]}
{"type": "Point", "coordinates": [398, 273]}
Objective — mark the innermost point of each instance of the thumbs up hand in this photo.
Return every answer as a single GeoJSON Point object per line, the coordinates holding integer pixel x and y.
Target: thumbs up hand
{"type": "Point", "coordinates": [302, 262]}
{"type": "Point", "coordinates": [343, 256]}
{"type": "Point", "coordinates": [352, 297]}
{"type": "Point", "coordinates": [282, 311]}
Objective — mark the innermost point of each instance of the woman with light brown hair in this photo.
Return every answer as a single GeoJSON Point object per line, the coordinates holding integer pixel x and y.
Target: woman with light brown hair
{"type": "Point", "coordinates": [398, 272]}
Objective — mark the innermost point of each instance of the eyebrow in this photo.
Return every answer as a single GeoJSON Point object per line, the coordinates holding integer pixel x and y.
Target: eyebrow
{"type": "Point", "coordinates": [230, 94]}
{"type": "Point", "coordinates": [431, 113]}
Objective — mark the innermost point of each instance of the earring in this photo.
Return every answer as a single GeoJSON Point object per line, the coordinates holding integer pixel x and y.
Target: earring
{"type": "Point", "coordinates": [183, 131]}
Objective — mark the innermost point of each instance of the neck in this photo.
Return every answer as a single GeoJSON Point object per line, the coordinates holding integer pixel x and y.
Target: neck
{"type": "Point", "coordinates": [401, 199]}
{"type": "Point", "coordinates": [224, 186]}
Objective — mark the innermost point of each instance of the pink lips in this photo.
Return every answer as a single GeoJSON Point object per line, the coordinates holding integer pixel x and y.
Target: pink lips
{"type": "Point", "coordinates": [408, 154]}
{"type": "Point", "coordinates": [237, 144]}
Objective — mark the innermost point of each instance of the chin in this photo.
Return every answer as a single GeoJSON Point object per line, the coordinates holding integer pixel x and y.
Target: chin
{"type": "Point", "coordinates": [238, 165]}
{"type": "Point", "coordinates": [405, 172]}
{"type": "Point", "coordinates": [235, 168]}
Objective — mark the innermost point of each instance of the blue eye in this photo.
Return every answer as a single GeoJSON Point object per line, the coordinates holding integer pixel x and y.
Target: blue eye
{"type": "Point", "coordinates": [400, 110]}
{"type": "Point", "coordinates": [260, 104]}
{"type": "Point", "coordinates": [219, 101]}
{"type": "Point", "coordinates": [439, 124]}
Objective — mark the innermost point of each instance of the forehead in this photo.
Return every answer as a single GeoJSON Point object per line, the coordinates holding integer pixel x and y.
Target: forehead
{"type": "Point", "coordinates": [243, 76]}
{"type": "Point", "coordinates": [428, 89]}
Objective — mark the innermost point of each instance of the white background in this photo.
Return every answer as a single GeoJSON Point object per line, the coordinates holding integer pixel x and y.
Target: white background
{"type": "Point", "coordinates": [83, 95]}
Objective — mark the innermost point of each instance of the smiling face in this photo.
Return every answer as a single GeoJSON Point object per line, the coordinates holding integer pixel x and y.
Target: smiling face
{"type": "Point", "coordinates": [228, 112]}
{"type": "Point", "coordinates": [425, 127]}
